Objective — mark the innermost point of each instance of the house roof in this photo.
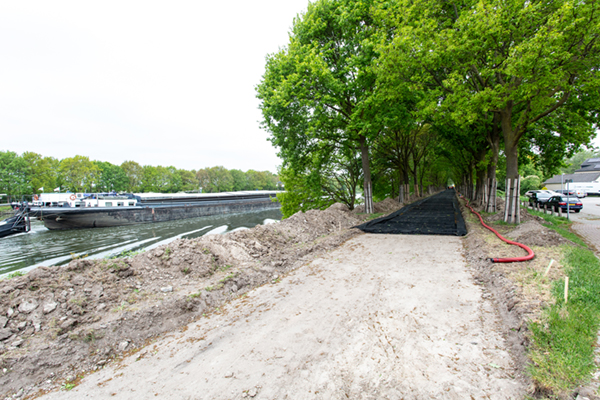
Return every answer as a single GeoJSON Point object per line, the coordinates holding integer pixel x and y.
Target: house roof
{"type": "Point", "coordinates": [588, 168]}
{"type": "Point", "coordinates": [591, 164]}
{"type": "Point", "coordinates": [579, 177]}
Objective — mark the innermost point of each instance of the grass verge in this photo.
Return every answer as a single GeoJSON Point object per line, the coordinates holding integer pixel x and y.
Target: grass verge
{"type": "Point", "coordinates": [562, 342]}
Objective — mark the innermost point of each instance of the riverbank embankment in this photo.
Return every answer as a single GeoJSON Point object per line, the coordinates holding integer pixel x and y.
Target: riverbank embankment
{"type": "Point", "coordinates": [60, 323]}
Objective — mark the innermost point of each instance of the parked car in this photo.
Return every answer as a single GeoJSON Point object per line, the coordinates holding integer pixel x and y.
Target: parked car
{"type": "Point", "coordinates": [581, 193]}
{"type": "Point", "coordinates": [570, 192]}
{"type": "Point", "coordinates": [539, 198]}
{"type": "Point", "coordinates": [557, 202]}
{"type": "Point", "coordinates": [529, 193]}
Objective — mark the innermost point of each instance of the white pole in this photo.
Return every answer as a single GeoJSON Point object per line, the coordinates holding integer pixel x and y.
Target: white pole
{"type": "Point", "coordinates": [567, 200]}
{"type": "Point", "coordinates": [507, 200]}
{"type": "Point", "coordinates": [517, 219]}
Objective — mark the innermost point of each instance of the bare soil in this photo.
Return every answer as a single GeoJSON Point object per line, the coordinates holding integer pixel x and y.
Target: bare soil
{"type": "Point", "coordinates": [59, 324]}
{"type": "Point", "coordinates": [380, 317]}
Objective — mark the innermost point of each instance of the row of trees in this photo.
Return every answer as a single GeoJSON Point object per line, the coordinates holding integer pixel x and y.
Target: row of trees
{"type": "Point", "coordinates": [419, 92]}
{"type": "Point", "coordinates": [30, 172]}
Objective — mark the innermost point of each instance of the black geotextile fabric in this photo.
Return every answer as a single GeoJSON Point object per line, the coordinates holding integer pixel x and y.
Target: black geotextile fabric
{"type": "Point", "coordinates": [435, 215]}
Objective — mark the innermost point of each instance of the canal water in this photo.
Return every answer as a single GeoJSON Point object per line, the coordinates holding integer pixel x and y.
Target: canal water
{"type": "Point", "coordinates": [41, 246]}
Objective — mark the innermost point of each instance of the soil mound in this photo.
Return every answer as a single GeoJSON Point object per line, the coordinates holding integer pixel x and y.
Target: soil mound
{"type": "Point", "coordinates": [386, 206]}
{"type": "Point", "coordinates": [532, 233]}
{"type": "Point", "coordinates": [57, 323]}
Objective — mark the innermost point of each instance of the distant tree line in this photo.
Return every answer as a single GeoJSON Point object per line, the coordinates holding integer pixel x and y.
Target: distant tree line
{"type": "Point", "coordinates": [31, 173]}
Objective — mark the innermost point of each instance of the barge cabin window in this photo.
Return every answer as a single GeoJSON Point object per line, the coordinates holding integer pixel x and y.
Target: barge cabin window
{"type": "Point", "coordinates": [108, 204]}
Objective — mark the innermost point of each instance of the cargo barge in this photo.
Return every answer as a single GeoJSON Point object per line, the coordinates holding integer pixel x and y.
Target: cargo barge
{"type": "Point", "coordinates": [97, 211]}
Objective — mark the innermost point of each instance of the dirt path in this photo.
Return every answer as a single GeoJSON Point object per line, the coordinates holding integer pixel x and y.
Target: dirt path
{"type": "Point", "coordinates": [382, 316]}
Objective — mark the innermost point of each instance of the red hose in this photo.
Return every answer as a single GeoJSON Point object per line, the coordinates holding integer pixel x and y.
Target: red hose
{"type": "Point", "coordinates": [528, 257]}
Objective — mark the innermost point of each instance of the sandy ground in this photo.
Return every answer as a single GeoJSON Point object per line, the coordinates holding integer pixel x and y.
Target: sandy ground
{"type": "Point", "coordinates": [380, 317]}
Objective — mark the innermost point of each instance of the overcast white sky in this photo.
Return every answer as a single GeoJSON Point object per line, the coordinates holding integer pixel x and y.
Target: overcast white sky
{"type": "Point", "coordinates": [160, 83]}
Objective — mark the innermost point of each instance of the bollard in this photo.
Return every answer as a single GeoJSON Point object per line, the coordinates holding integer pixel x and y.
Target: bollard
{"type": "Point", "coordinates": [545, 209]}
{"type": "Point", "coordinates": [537, 205]}
{"type": "Point", "coordinates": [560, 211]}
{"type": "Point", "coordinates": [551, 210]}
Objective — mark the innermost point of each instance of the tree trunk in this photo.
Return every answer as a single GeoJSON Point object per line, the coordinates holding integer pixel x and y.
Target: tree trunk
{"type": "Point", "coordinates": [368, 187]}
{"type": "Point", "coordinates": [510, 149]}
{"type": "Point", "coordinates": [480, 183]}
{"type": "Point", "coordinates": [494, 141]}
{"type": "Point", "coordinates": [415, 182]}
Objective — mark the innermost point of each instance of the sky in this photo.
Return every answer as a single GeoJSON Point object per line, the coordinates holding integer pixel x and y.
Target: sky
{"type": "Point", "coordinates": [160, 83]}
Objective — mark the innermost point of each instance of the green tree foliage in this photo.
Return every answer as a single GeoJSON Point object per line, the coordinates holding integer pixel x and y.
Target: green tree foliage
{"type": "Point", "coordinates": [240, 180]}
{"type": "Point", "coordinates": [522, 61]}
{"type": "Point", "coordinates": [256, 180]}
{"type": "Point", "coordinates": [203, 176]}
{"type": "Point", "coordinates": [220, 179]}
{"type": "Point", "coordinates": [43, 172]}
{"type": "Point", "coordinates": [172, 180]}
{"type": "Point", "coordinates": [134, 173]}
{"type": "Point", "coordinates": [189, 182]}
{"type": "Point", "coordinates": [307, 193]}
{"type": "Point", "coordinates": [77, 174]}
{"type": "Point", "coordinates": [27, 173]}
{"type": "Point", "coordinates": [160, 179]}
{"type": "Point", "coordinates": [14, 172]}
{"type": "Point", "coordinates": [110, 178]}
{"type": "Point", "coordinates": [313, 93]}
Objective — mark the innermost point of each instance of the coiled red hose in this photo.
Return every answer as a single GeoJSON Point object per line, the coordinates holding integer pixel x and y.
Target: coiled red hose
{"type": "Point", "coordinates": [529, 255]}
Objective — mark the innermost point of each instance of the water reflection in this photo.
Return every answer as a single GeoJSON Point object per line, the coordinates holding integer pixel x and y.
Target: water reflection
{"type": "Point", "coordinates": [43, 247]}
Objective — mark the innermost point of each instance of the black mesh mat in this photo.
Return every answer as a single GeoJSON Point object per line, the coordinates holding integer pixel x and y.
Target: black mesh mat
{"type": "Point", "coordinates": [436, 215]}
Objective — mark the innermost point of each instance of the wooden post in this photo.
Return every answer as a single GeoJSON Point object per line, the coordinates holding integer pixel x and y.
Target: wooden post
{"type": "Point", "coordinates": [545, 208]}
{"type": "Point", "coordinates": [369, 199]}
{"type": "Point", "coordinates": [517, 192]}
{"type": "Point", "coordinates": [495, 194]}
{"type": "Point", "coordinates": [507, 216]}
{"type": "Point", "coordinates": [560, 211]}
{"type": "Point", "coordinates": [485, 197]}
{"type": "Point", "coordinates": [551, 210]}
{"type": "Point", "coordinates": [548, 269]}
{"type": "Point", "coordinates": [401, 195]}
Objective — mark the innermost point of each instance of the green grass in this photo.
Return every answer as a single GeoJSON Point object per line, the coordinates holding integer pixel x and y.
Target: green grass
{"type": "Point", "coordinates": [562, 343]}
{"type": "Point", "coordinates": [167, 253]}
{"type": "Point", "coordinates": [560, 225]}
{"type": "Point", "coordinates": [369, 217]}
{"type": "Point", "coordinates": [127, 254]}
{"type": "Point", "coordinates": [14, 274]}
